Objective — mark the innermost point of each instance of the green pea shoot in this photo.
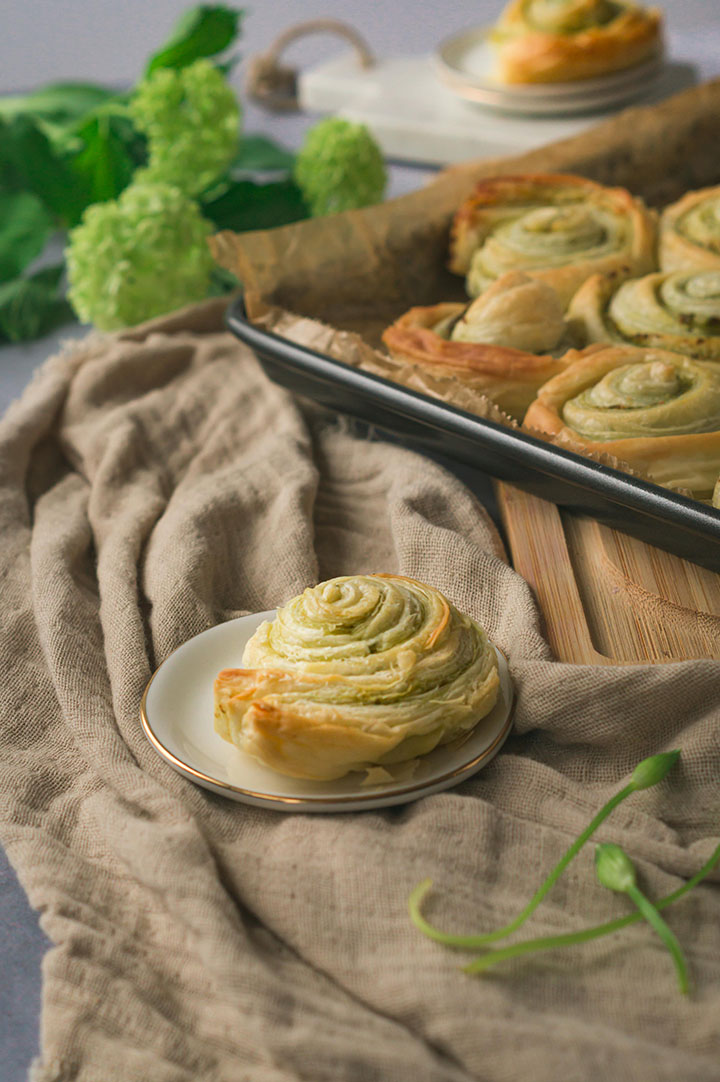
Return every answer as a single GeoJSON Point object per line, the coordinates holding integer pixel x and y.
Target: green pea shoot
{"type": "Point", "coordinates": [614, 870]}
{"type": "Point", "coordinates": [646, 774]}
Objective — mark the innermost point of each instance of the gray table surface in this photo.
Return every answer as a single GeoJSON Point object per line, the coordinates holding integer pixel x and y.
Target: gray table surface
{"type": "Point", "coordinates": [49, 41]}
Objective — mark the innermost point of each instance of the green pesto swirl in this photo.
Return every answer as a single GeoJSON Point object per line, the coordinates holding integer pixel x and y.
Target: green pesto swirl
{"type": "Point", "coordinates": [360, 671]}
{"type": "Point", "coordinates": [701, 224]}
{"type": "Point", "coordinates": [693, 299]}
{"type": "Point", "coordinates": [569, 16]}
{"type": "Point", "coordinates": [658, 397]}
{"type": "Point", "coordinates": [680, 304]}
{"type": "Point", "coordinates": [546, 237]}
{"type": "Point", "coordinates": [378, 640]}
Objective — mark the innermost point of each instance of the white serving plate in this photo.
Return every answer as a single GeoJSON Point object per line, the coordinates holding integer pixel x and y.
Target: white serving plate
{"type": "Point", "coordinates": [177, 716]}
{"type": "Point", "coordinates": [466, 63]}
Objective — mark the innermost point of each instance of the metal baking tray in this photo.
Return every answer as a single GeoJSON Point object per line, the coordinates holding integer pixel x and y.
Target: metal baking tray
{"type": "Point", "coordinates": [680, 525]}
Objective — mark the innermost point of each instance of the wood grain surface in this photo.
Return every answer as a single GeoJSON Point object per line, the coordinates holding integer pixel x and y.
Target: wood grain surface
{"type": "Point", "coordinates": [606, 598]}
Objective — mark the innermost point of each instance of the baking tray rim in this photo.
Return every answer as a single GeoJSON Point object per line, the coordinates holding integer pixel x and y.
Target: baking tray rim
{"type": "Point", "coordinates": [567, 467]}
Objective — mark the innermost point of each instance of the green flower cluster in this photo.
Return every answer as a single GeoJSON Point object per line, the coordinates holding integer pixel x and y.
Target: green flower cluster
{"type": "Point", "coordinates": [340, 167]}
{"type": "Point", "coordinates": [148, 174]}
{"type": "Point", "coordinates": [146, 252]}
{"type": "Point", "coordinates": [191, 119]}
{"type": "Point", "coordinates": [138, 256]}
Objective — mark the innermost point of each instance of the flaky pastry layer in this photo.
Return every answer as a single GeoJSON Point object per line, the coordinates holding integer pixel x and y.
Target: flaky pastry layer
{"type": "Point", "coordinates": [690, 232]}
{"type": "Point", "coordinates": [360, 671]}
{"type": "Point", "coordinates": [542, 42]}
{"type": "Point", "coordinates": [678, 311]}
{"type": "Point", "coordinates": [509, 377]}
{"type": "Point", "coordinates": [558, 228]}
{"type": "Point", "coordinates": [656, 410]}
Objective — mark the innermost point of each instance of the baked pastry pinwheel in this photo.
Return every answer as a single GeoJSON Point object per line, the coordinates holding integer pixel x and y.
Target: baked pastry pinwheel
{"type": "Point", "coordinates": [551, 41]}
{"type": "Point", "coordinates": [558, 228]}
{"type": "Point", "coordinates": [501, 345]}
{"type": "Point", "coordinates": [677, 310]}
{"type": "Point", "coordinates": [359, 671]}
{"type": "Point", "coordinates": [655, 410]}
{"type": "Point", "coordinates": [690, 232]}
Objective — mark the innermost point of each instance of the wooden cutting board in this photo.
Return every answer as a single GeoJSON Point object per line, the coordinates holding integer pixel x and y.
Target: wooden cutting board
{"type": "Point", "coordinates": [608, 599]}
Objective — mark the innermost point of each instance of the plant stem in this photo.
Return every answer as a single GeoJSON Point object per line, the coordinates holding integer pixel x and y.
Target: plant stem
{"type": "Point", "coordinates": [649, 911]}
{"type": "Point", "coordinates": [529, 946]}
{"type": "Point", "coordinates": [452, 940]}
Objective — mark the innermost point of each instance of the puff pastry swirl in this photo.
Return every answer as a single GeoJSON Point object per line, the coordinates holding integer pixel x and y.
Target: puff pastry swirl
{"type": "Point", "coordinates": [558, 228]}
{"type": "Point", "coordinates": [361, 670]}
{"type": "Point", "coordinates": [690, 232]}
{"type": "Point", "coordinates": [501, 345]}
{"type": "Point", "coordinates": [678, 310]}
{"type": "Point", "coordinates": [658, 411]}
{"type": "Point", "coordinates": [550, 41]}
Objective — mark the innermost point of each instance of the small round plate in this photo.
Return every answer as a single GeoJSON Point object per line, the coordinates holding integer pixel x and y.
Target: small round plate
{"type": "Point", "coordinates": [466, 63]}
{"type": "Point", "coordinates": [177, 717]}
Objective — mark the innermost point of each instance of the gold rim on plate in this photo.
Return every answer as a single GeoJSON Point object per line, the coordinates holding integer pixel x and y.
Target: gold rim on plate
{"type": "Point", "coordinates": [264, 798]}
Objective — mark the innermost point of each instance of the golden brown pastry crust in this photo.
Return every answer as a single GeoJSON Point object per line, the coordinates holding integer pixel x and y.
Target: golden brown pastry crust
{"type": "Point", "coordinates": [690, 460]}
{"type": "Point", "coordinates": [649, 312]}
{"type": "Point", "coordinates": [528, 53]}
{"type": "Point", "coordinates": [510, 377]}
{"type": "Point", "coordinates": [486, 237]}
{"type": "Point", "coordinates": [690, 232]}
{"type": "Point", "coordinates": [360, 671]}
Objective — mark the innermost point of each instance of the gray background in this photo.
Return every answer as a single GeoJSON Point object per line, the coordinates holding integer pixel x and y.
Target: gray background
{"type": "Point", "coordinates": [45, 40]}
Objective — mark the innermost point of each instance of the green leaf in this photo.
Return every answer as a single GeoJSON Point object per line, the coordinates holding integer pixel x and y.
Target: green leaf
{"type": "Point", "coordinates": [246, 205]}
{"type": "Point", "coordinates": [49, 276]}
{"type": "Point", "coordinates": [30, 162]}
{"type": "Point", "coordinates": [226, 67]}
{"type": "Point", "coordinates": [59, 103]}
{"type": "Point", "coordinates": [33, 306]}
{"type": "Point", "coordinates": [258, 154]}
{"type": "Point", "coordinates": [222, 282]}
{"type": "Point", "coordinates": [105, 165]}
{"type": "Point", "coordinates": [25, 227]}
{"type": "Point", "coordinates": [202, 31]}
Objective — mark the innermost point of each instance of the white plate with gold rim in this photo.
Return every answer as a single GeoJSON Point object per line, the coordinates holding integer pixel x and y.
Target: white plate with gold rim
{"type": "Point", "coordinates": [177, 716]}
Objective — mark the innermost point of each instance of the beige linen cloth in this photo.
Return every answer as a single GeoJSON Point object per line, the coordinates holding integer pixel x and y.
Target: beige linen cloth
{"type": "Point", "coordinates": [155, 483]}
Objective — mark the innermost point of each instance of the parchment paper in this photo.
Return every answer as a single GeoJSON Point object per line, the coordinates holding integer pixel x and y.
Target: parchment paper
{"type": "Point", "coordinates": [334, 284]}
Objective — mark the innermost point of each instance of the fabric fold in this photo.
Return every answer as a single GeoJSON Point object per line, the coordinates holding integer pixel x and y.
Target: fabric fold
{"type": "Point", "coordinates": [155, 483]}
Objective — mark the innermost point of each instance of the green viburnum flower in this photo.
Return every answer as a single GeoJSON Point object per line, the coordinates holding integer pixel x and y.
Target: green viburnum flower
{"type": "Point", "coordinates": [339, 167]}
{"type": "Point", "coordinates": [191, 118]}
{"type": "Point", "coordinates": [139, 256]}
